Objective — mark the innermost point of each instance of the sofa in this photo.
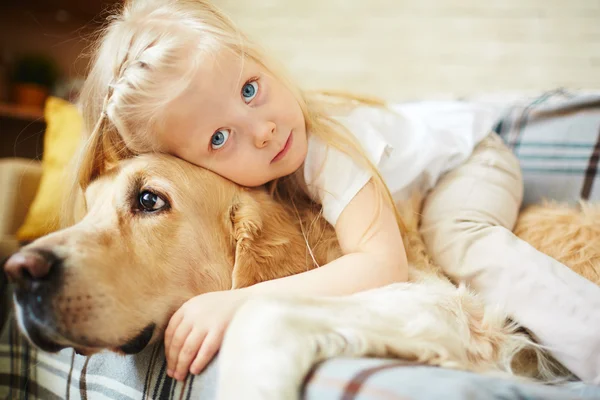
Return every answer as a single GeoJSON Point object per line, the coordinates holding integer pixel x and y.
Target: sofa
{"type": "Point", "coordinates": [20, 178]}
{"type": "Point", "coordinates": [556, 137]}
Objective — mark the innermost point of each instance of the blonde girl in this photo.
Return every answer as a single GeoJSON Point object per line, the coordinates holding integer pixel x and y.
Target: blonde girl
{"type": "Point", "coordinates": [176, 76]}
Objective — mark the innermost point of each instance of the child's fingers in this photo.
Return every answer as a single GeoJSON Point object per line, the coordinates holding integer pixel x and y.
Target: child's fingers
{"type": "Point", "coordinates": [172, 352]}
{"type": "Point", "coordinates": [172, 328]}
{"type": "Point", "coordinates": [188, 352]}
{"type": "Point", "coordinates": [210, 346]}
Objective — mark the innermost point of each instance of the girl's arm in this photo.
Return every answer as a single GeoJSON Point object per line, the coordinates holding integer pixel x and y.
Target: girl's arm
{"type": "Point", "coordinates": [374, 257]}
{"type": "Point", "coordinates": [374, 254]}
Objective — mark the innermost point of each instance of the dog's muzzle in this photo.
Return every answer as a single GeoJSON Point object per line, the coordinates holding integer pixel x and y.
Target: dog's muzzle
{"type": "Point", "coordinates": [36, 275]}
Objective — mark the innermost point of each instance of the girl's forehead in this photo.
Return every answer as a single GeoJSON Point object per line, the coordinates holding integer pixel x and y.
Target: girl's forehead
{"type": "Point", "coordinates": [223, 71]}
{"type": "Point", "coordinates": [212, 96]}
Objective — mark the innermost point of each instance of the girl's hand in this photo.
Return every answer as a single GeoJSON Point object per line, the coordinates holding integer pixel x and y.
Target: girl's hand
{"type": "Point", "coordinates": [196, 330]}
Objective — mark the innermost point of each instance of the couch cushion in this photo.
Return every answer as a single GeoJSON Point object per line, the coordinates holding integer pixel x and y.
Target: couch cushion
{"type": "Point", "coordinates": [63, 134]}
{"type": "Point", "coordinates": [19, 180]}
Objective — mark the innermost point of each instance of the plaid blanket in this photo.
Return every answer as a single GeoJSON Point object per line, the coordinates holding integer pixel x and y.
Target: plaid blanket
{"type": "Point", "coordinates": [26, 373]}
{"type": "Point", "coordinates": [557, 139]}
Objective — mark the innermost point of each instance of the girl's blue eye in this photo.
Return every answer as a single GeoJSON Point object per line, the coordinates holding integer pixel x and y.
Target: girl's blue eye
{"type": "Point", "coordinates": [249, 91]}
{"type": "Point", "coordinates": [219, 138]}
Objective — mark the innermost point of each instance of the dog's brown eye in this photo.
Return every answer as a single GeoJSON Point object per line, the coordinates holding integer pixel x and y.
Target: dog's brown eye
{"type": "Point", "coordinates": [151, 201]}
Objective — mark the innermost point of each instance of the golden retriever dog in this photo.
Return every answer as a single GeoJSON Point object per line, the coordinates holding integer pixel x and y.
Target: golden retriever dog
{"type": "Point", "coordinates": [158, 231]}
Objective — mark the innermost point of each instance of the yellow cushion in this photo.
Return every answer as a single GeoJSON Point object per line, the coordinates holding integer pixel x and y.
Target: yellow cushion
{"type": "Point", "coordinates": [63, 133]}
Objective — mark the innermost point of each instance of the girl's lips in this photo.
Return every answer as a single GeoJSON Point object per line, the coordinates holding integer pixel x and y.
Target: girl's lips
{"type": "Point", "coordinates": [283, 151]}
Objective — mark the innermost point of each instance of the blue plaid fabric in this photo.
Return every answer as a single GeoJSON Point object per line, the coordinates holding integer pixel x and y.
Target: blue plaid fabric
{"type": "Point", "coordinates": [557, 140]}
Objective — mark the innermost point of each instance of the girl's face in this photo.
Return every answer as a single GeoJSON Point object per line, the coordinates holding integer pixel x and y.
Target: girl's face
{"type": "Point", "coordinates": [237, 121]}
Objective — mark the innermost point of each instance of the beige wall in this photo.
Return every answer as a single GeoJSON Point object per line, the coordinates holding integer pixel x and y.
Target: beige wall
{"type": "Point", "coordinates": [403, 49]}
{"type": "Point", "coordinates": [397, 49]}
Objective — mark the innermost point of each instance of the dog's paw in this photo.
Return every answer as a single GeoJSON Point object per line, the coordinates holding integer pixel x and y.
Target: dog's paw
{"type": "Point", "coordinates": [259, 354]}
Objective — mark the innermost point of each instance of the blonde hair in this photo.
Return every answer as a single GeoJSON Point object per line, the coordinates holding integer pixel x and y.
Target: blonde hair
{"type": "Point", "coordinates": [148, 44]}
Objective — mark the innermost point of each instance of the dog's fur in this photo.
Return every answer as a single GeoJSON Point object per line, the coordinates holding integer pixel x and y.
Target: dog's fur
{"type": "Point", "coordinates": [119, 274]}
{"type": "Point", "coordinates": [568, 234]}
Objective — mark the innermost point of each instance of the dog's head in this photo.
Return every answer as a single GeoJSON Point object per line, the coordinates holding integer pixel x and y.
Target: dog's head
{"type": "Point", "coordinates": [157, 231]}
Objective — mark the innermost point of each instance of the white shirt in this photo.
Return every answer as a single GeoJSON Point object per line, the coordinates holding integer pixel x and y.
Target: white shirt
{"type": "Point", "coordinates": [411, 148]}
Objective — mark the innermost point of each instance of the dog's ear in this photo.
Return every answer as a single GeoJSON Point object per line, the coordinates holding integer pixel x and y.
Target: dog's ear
{"type": "Point", "coordinates": [246, 227]}
{"type": "Point", "coordinates": [267, 244]}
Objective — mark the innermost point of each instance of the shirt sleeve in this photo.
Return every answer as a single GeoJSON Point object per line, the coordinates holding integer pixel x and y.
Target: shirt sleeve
{"type": "Point", "coordinates": [333, 177]}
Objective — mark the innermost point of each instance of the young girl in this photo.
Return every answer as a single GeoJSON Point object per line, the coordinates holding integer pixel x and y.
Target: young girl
{"type": "Point", "coordinates": [176, 76]}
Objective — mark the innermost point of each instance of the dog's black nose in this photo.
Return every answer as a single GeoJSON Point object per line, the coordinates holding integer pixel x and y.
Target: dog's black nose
{"type": "Point", "coordinates": [25, 267]}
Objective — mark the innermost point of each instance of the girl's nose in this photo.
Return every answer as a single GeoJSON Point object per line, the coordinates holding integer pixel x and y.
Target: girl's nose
{"type": "Point", "coordinates": [263, 134]}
